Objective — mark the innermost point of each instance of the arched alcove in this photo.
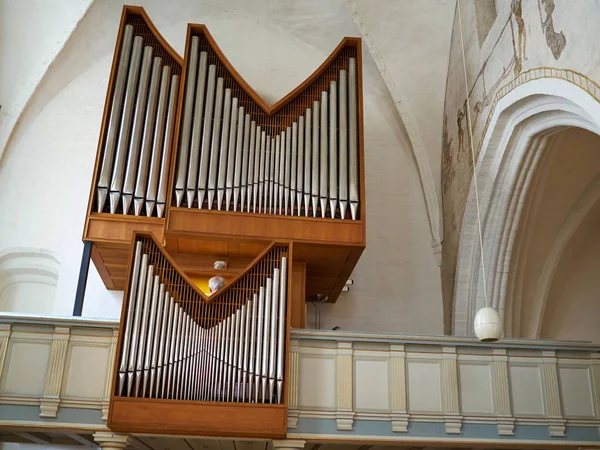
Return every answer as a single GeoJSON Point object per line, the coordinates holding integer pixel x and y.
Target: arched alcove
{"type": "Point", "coordinates": [529, 151]}
{"type": "Point", "coordinates": [28, 278]}
{"type": "Point", "coordinates": [571, 307]}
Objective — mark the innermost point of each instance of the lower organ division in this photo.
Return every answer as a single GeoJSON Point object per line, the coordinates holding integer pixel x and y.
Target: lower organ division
{"type": "Point", "coordinates": [299, 160]}
{"type": "Point", "coordinates": [177, 345]}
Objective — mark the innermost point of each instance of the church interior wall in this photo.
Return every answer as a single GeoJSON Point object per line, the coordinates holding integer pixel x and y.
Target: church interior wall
{"type": "Point", "coordinates": [48, 164]}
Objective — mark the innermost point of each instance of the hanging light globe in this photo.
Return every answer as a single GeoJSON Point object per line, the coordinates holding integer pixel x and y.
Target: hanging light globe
{"type": "Point", "coordinates": [488, 325]}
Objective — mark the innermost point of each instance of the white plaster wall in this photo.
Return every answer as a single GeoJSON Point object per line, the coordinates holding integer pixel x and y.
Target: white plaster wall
{"type": "Point", "coordinates": [275, 46]}
{"type": "Point", "coordinates": [410, 41]}
{"type": "Point", "coordinates": [32, 32]}
{"type": "Point", "coordinates": [396, 282]}
{"type": "Point", "coordinates": [573, 305]}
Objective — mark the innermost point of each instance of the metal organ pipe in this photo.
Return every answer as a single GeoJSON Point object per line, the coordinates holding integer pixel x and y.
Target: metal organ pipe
{"type": "Point", "coordinates": [232, 155]}
{"type": "Point", "coordinates": [333, 150]}
{"type": "Point", "coordinates": [127, 162]}
{"type": "Point", "coordinates": [126, 120]}
{"type": "Point", "coordinates": [323, 150]}
{"type": "Point", "coordinates": [182, 166]}
{"type": "Point", "coordinates": [148, 137]}
{"type": "Point", "coordinates": [115, 117]}
{"type": "Point", "coordinates": [223, 154]}
{"type": "Point", "coordinates": [315, 158]}
{"type": "Point", "coordinates": [164, 166]}
{"type": "Point", "coordinates": [157, 144]}
{"type": "Point", "coordinates": [287, 169]}
{"type": "Point", "coordinates": [353, 137]}
{"type": "Point", "coordinates": [307, 161]}
{"type": "Point", "coordinates": [249, 134]}
{"type": "Point", "coordinates": [197, 103]}
{"type": "Point", "coordinates": [300, 180]}
{"type": "Point", "coordinates": [240, 146]}
{"type": "Point", "coordinates": [277, 175]}
{"type": "Point", "coordinates": [343, 144]}
{"type": "Point", "coordinates": [216, 132]}
{"type": "Point", "coordinates": [206, 134]}
{"type": "Point", "coordinates": [261, 172]}
{"type": "Point", "coordinates": [254, 141]}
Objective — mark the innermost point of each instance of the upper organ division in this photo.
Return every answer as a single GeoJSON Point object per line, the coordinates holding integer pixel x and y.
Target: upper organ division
{"type": "Point", "coordinates": [218, 145]}
{"type": "Point", "coordinates": [298, 158]}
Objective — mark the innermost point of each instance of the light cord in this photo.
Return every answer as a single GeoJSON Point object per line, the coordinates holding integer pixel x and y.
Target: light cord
{"type": "Point", "coordinates": [468, 114]}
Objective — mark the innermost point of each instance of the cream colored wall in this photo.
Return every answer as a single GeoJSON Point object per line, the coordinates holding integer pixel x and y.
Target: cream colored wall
{"type": "Point", "coordinates": [48, 164]}
{"type": "Point", "coordinates": [573, 305]}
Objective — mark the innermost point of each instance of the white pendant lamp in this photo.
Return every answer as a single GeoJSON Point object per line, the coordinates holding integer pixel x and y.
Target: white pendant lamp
{"type": "Point", "coordinates": [488, 325]}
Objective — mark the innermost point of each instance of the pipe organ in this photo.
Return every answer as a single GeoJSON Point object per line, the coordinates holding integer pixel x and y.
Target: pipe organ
{"type": "Point", "coordinates": [299, 160]}
{"type": "Point", "coordinates": [178, 344]}
{"type": "Point", "coordinates": [193, 167]}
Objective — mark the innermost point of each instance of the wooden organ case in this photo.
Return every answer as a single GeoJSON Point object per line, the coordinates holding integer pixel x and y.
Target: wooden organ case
{"type": "Point", "coordinates": [192, 167]}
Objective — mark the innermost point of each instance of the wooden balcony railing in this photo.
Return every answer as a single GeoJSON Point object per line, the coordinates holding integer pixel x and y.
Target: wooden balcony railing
{"type": "Point", "coordinates": [56, 374]}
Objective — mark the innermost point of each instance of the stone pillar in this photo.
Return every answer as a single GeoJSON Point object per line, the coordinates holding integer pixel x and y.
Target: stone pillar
{"type": "Point", "coordinates": [109, 374]}
{"type": "Point", "coordinates": [501, 392]}
{"type": "Point", "coordinates": [344, 413]}
{"type": "Point", "coordinates": [108, 440]}
{"type": "Point", "coordinates": [399, 414]}
{"type": "Point", "coordinates": [4, 336]}
{"type": "Point", "coordinates": [54, 375]}
{"type": "Point", "coordinates": [288, 444]}
{"type": "Point", "coordinates": [551, 392]}
{"type": "Point", "coordinates": [596, 382]}
{"type": "Point", "coordinates": [293, 395]}
{"type": "Point", "coordinates": [450, 401]}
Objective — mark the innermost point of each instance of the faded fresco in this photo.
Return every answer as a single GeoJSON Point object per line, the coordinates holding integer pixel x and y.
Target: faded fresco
{"type": "Point", "coordinates": [526, 35]}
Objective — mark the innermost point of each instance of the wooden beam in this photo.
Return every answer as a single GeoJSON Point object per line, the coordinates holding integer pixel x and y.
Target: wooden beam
{"type": "Point", "coordinates": [88, 442]}
{"type": "Point", "coordinates": [37, 438]}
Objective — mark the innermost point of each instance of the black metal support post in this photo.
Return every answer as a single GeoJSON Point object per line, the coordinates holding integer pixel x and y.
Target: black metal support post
{"type": "Point", "coordinates": [83, 276]}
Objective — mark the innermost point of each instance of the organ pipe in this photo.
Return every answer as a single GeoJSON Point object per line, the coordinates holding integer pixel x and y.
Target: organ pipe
{"type": "Point", "coordinates": [147, 139]}
{"type": "Point", "coordinates": [115, 116]}
{"type": "Point", "coordinates": [223, 154]}
{"type": "Point", "coordinates": [157, 144]}
{"type": "Point", "coordinates": [187, 121]}
{"type": "Point", "coordinates": [127, 162]}
{"type": "Point", "coordinates": [197, 103]}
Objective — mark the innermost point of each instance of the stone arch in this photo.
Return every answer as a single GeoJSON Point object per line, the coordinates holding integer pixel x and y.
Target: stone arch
{"type": "Point", "coordinates": [523, 127]}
